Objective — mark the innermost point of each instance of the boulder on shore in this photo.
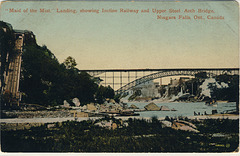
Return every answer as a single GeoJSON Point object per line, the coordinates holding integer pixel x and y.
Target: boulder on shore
{"type": "Point", "coordinates": [166, 123]}
{"type": "Point", "coordinates": [185, 126]}
{"type": "Point", "coordinates": [76, 102]}
{"type": "Point", "coordinates": [164, 108]}
{"type": "Point", "coordinates": [152, 107]}
{"type": "Point", "coordinates": [65, 104]}
{"type": "Point", "coordinates": [133, 107]}
{"type": "Point", "coordinates": [112, 101]}
{"type": "Point", "coordinates": [91, 107]}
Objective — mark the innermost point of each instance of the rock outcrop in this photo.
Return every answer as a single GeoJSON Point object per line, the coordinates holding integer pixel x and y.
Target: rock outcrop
{"type": "Point", "coordinates": [133, 107]}
{"type": "Point", "coordinates": [164, 108]}
{"type": "Point", "coordinates": [91, 107]}
{"type": "Point", "coordinates": [152, 107]}
{"type": "Point", "coordinates": [65, 104]}
{"type": "Point", "coordinates": [76, 102]}
{"type": "Point", "coordinates": [166, 123]}
{"type": "Point", "coordinates": [185, 126]}
{"type": "Point", "coordinates": [112, 101]}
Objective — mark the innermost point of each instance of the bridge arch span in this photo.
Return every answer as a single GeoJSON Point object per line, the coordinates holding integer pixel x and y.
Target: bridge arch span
{"type": "Point", "coordinates": [162, 74]}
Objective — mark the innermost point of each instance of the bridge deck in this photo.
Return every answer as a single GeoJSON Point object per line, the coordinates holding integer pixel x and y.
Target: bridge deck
{"type": "Point", "coordinates": [124, 79]}
{"type": "Point", "coordinates": [170, 69]}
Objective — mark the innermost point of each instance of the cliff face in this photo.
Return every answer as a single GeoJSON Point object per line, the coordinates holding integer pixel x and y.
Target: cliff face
{"type": "Point", "coordinates": [183, 90]}
{"type": "Point", "coordinates": [7, 40]}
{"type": "Point", "coordinates": [29, 37]}
{"type": "Point", "coordinates": [221, 87]}
{"type": "Point", "coordinates": [199, 89]}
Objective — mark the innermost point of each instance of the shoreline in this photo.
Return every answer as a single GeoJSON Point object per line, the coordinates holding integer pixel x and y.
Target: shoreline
{"type": "Point", "coordinates": [52, 120]}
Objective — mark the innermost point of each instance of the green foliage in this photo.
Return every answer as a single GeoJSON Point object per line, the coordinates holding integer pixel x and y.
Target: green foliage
{"type": "Point", "coordinates": [201, 75]}
{"type": "Point", "coordinates": [46, 82]}
{"type": "Point", "coordinates": [43, 79]}
{"type": "Point", "coordinates": [7, 43]}
{"type": "Point", "coordinates": [219, 125]}
{"type": "Point", "coordinates": [117, 98]}
{"type": "Point", "coordinates": [140, 136]}
{"type": "Point", "coordinates": [155, 120]}
{"type": "Point", "coordinates": [109, 93]}
{"type": "Point", "coordinates": [38, 70]}
{"type": "Point", "coordinates": [103, 93]}
{"type": "Point", "coordinates": [231, 93]}
{"type": "Point", "coordinates": [70, 63]}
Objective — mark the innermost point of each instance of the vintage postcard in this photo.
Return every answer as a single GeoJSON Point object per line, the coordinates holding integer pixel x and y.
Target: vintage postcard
{"type": "Point", "coordinates": [119, 76]}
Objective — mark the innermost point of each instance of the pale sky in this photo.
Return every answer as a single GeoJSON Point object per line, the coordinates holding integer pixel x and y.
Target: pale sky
{"type": "Point", "coordinates": [128, 40]}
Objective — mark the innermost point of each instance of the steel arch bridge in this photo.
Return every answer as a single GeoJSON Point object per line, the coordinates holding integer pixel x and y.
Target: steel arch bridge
{"type": "Point", "coordinates": [158, 73]}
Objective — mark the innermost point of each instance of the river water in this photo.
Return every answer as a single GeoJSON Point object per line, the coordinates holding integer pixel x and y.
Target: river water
{"type": "Point", "coordinates": [183, 109]}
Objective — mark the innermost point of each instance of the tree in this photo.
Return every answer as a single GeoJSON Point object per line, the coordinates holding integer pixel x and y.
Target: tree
{"type": "Point", "coordinates": [7, 43]}
{"type": "Point", "coordinates": [70, 63]}
{"type": "Point", "coordinates": [202, 75]}
{"type": "Point", "coordinates": [100, 95]}
{"type": "Point", "coordinates": [43, 79]}
{"type": "Point", "coordinates": [47, 82]}
{"type": "Point", "coordinates": [230, 93]}
{"type": "Point", "coordinates": [85, 88]}
{"type": "Point", "coordinates": [39, 74]}
{"type": "Point", "coordinates": [103, 93]}
{"type": "Point", "coordinates": [109, 92]}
